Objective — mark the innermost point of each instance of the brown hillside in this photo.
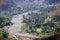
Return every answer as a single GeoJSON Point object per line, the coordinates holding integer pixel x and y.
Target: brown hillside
{"type": "Point", "coordinates": [2, 2]}
{"type": "Point", "coordinates": [55, 12]}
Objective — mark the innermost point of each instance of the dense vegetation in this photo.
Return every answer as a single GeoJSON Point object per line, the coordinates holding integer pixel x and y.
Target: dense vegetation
{"type": "Point", "coordinates": [4, 21]}
{"type": "Point", "coordinates": [35, 23]}
{"type": "Point", "coordinates": [4, 35]}
{"type": "Point", "coordinates": [40, 24]}
{"type": "Point", "coordinates": [18, 10]}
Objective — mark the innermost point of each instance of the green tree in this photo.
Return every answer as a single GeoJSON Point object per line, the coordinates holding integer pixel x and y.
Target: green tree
{"type": "Point", "coordinates": [4, 21]}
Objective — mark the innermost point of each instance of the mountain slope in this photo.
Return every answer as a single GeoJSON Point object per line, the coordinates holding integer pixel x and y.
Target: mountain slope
{"type": "Point", "coordinates": [52, 1]}
{"type": "Point", "coordinates": [7, 4]}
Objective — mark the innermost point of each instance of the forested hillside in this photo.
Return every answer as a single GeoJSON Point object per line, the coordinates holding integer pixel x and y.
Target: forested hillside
{"type": "Point", "coordinates": [42, 17]}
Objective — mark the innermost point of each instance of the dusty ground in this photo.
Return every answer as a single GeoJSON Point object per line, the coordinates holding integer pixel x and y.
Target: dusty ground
{"type": "Point", "coordinates": [15, 29]}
